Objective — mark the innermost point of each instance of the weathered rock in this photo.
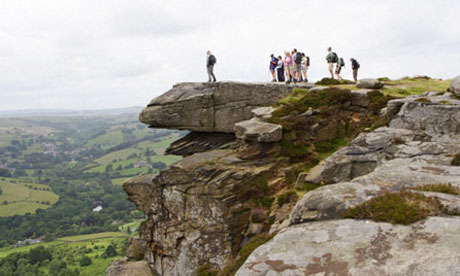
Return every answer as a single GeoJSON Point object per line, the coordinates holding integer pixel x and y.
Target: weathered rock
{"type": "Point", "coordinates": [257, 130]}
{"type": "Point", "coordinates": [360, 98]}
{"type": "Point", "coordinates": [195, 210]}
{"type": "Point", "coordinates": [210, 107]}
{"type": "Point", "coordinates": [121, 267]}
{"type": "Point", "coordinates": [455, 86]}
{"type": "Point", "coordinates": [435, 116]}
{"type": "Point", "coordinates": [350, 247]}
{"type": "Point", "coordinates": [136, 249]}
{"type": "Point", "coordinates": [369, 83]}
{"type": "Point", "coordinates": [313, 176]}
{"type": "Point", "coordinates": [263, 113]}
{"type": "Point", "coordinates": [195, 142]}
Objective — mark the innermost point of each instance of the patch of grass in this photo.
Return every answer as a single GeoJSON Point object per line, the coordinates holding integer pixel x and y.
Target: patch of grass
{"type": "Point", "coordinates": [295, 149]}
{"type": "Point", "coordinates": [383, 79]}
{"type": "Point", "coordinates": [423, 100]}
{"type": "Point", "coordinates": [456, 160]}
{"type": "Point", "coordinates": [326, 148]}
{"type": "Point", "coordinates": [287, 197]}
{"type": "Point", "coordinates": [439, 188]}
{"type": "Point", "coordinates": [244, 253]}
{"type": "Point", "coordinates": [329, 81]}
{"type": "Point", "coordinates": [445, 102]}
{"type": "Point", "coordinates": [415, 86]}
{"type": "Point", "coordinates": [206, 270]}
{"type": "Point", "coordinates": [267, 202]}
{"type": "Point", "coordinates": [397, 208]}
{"type": "Point", "coordinates": [306, 187]}
{"type": "Point", "coordinates": [103, 235]}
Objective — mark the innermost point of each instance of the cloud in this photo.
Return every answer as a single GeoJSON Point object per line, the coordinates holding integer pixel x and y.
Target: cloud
{"type": "Point", "coordinates": [114, 53]}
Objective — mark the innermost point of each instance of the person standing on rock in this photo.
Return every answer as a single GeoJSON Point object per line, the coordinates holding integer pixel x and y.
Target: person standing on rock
{"type": "Point", "coordinates": [280, 69]}
{"type": "Point", "coordinates": [331, 58]}
{"type": "Point", "coordinates": [305, 64]}
{"type": "Point", "coordinates": [288, 66]}
{"type": "Point", "coordinates": [297, 57]}
{"type": "Point", "coordinates": [273, 63]}
{"type": "Point", "coordinates": [210, 62]}
{"type": "Point", "coordinates": [354, 66]}
{"type": "Point", "coordinates": [338, 68]}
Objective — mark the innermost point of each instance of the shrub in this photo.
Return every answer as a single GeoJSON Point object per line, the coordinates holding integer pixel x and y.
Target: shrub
{"type": "Point", "coordinates": [85, 261]}
{"type": "Point", "coordinates": [287, 197]}
{"type": "Point", "coordinates": [398, 208]}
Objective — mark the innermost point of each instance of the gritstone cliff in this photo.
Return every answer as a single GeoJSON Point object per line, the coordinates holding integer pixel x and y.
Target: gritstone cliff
{"type": "Point", "coordinates": [253, 170]}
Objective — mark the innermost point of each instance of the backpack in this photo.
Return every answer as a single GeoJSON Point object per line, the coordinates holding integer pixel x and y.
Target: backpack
{"type": "Point", "coordinates": [298, 58]}
{"type": "Point", "coordinates": [342, 63]}
{"type": "Point", "coordinates": [355, 64]}
{"type": "Point", "coordinates": [308, 61]}
{"type": "Point", "coordinates": [212, 60]}
{"type": "Point", "coordinates": [334, 57]}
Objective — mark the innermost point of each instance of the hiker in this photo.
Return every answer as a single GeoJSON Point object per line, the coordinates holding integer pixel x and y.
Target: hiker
{"type": "Point", "coordinates": [280, 69]}
{"type": "Point", "coordinates": [288, 64]}
{"type": "Point", "coordinates": [355, 66]}
{"type": "Point", "coordinates": [338, 68]}
{"type": "Point", "coordinates": [305, 64]}
{"type": "Point", "coordinates": [210, 62]}
{"type": "Point", "coordinates": [273, 64]}
{"type": "Point", "coordinates": [297, 57]}
{"type": "Point", "coordinates": [331, 58]}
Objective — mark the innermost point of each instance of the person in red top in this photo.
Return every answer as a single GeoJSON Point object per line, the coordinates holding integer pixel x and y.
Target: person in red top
{"type": "Point", "coordinates": [288, 66]}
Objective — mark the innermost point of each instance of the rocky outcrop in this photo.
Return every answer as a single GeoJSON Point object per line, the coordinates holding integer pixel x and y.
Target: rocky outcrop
{"type": "Point", "coordinates": [350, 247]}
{"type": "Point", "coordinates": [196, 210]}
{"type": "Point", "coordinates": [210, 107]}
{"type": "Point", "coordinates": [455, 86]}
{"type": "Point", "coordinates": [416, 150]}
{"type": "Point", "coordinates": [123, 267]}
{"type": "Point", "coordinates": [259, 131]}
{"type": "Point", "coordinates": [369, 84]}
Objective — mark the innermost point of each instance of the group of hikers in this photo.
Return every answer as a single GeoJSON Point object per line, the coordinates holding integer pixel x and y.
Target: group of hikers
{"type": "Point", "coordinates": [294, 67]}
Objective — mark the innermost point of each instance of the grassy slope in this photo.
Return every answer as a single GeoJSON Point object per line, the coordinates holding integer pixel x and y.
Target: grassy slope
{"type": "Point", "coordinates": [76, 246]}
{"type": "Point", "coordinates": [23, 199]}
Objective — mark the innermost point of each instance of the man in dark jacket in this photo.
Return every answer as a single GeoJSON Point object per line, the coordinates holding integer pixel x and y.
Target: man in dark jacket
{"type": "Point", "coordinates": [355, 66]}
{"type": "Point", "coordinates": [210, 61]}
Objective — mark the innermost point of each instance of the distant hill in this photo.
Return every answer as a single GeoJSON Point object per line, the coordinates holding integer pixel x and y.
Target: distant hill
{"type": "Point", "coordinates": [69, 112]}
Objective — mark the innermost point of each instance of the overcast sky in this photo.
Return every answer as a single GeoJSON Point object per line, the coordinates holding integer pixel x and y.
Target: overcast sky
{"type": "Point", "coordinates": [81, 54]}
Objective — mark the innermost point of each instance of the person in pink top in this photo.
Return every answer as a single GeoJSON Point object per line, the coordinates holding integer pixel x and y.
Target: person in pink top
{"type": "Point", "coordinates": [288, 66]}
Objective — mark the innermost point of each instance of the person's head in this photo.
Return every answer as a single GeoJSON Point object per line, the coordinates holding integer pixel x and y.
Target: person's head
{"type": "Point", "coordinates": [208, 52]}
{"type": "Point", "coordinates": [329, 49]}
{"type": "Point", "coordinates": [295, 50]}
{"type": "Point", "coordinates": [288, 54]}
{"type": "Point", "coordinates": [272, 55]}
{"type": "Point", "coordinates": [303, 54]}
{"type": "Point", "coordinates": [351, 59]}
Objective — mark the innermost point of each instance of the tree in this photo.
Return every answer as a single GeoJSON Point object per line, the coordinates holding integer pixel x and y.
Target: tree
{"type": "Point", "coordinates": [110, 251]}
{"type": "Point", "coordinates": [5, 172]}
{"type": "Point", "coordinates": [85, 261]}
{"type": "Point", "coordinates": [56, 266]}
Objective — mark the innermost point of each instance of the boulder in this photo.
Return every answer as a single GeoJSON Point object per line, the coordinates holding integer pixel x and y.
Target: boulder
{"type": "Point", "coordinates": [360, 98]}
{"type": "Point", "coordinates": [123, 267]}
{"type": "Point", "coordinates": [136, 249]}
{"type": "Point", "coordinates": [455, 86]}
{"type": "Point", "coordinates": [351, 247]}
{"type": "Point", "coordinates": [369, 84]}
{"type": "Point", "coordinates": [210, 107]}
{"type": "Point", "coordinates": [257, 130]}
{"type": "Point", "coordinates": [263, 113]}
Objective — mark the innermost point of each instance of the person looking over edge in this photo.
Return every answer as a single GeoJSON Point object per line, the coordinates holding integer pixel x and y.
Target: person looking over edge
{"type": "Point", "coordinates": [210, 61]}
{"type": "Point", "coordinates": [280, 69]}
{"type": "Point", "coordinates": [355, 66]}
{"type": "Point", "coordinates": [297, 56]}
{"type": "Point", "coordinates": [331, 58]}
{"type": "Point", "coordinates": [288, 64]}
{"type": "Point", "coordinates": [273, 63]}
{"type": "Point", "coordinates": [338, 68]}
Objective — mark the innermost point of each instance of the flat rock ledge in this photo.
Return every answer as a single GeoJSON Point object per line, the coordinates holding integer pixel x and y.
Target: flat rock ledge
{"type": "Point", "coordinates": [211, 107]}
{"type": "Point", "coordinates": [350, 247]}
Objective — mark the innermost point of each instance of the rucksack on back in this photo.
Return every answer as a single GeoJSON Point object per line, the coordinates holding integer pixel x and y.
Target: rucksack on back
{"type": "Point", "coordinates": [308, 61]}
{"type": "Point", "coordinates": [212, 60]}
{"type": "Point", "coordinates": [335, 58]}
{"type": "Point", "coordinates": [298, 58]}
{"type": "Point", "coordinates": [342, 63]}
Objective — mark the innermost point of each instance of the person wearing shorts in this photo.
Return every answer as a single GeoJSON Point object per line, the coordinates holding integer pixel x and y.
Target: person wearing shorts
{"type": "Point", "coordinates": [304, 67]}
{"type": "Point", "coordinates": [288, 66]}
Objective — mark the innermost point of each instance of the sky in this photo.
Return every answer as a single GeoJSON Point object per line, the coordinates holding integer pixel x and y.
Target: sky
{"type": "Point", "coordinates": [78, 54]}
